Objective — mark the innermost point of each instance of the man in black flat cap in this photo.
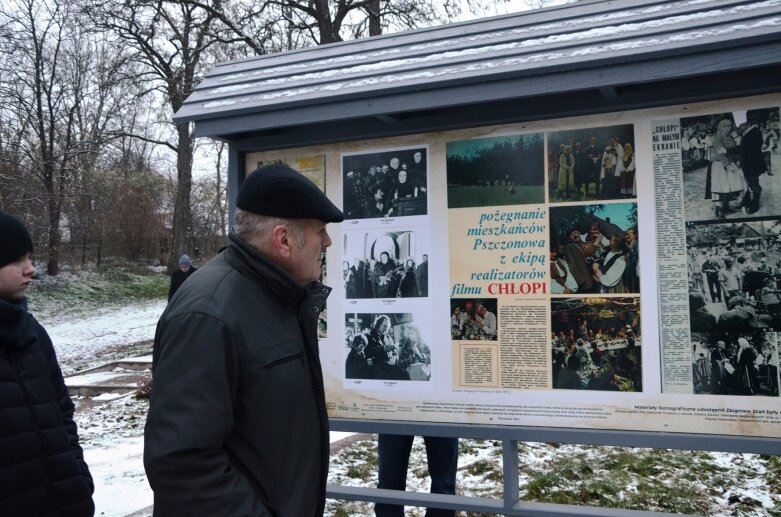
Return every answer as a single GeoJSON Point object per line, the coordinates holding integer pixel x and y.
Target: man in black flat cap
{"type": "Point", "coordinates": [237, 423]}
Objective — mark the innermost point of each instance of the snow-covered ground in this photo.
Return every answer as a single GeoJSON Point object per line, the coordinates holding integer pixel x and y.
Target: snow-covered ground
{"type": "Point", "coordinates": [111, 431]}
{"type": "Point", "coordinates": [111, 426]}
{"type": "Point", "coordinates": [83, 341]}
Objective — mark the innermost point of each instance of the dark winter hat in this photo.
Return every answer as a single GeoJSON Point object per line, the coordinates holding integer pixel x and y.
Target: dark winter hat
{"type": "Point", "coordinates": [280, 191]}
{"type": "Point", "coordinates": [15, 241]}
{"type": "Point", "coordinates": [184, 260]}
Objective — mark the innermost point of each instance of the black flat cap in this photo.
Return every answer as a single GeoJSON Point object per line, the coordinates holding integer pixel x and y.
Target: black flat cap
{"type": "Point", "coordinates": [280, 191]}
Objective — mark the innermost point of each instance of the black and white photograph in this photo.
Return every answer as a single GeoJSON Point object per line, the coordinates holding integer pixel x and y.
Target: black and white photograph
{"type": "Point", "coordinates": [384, 184]}
{"type": "Point", "coordinates": [731, 165]}
{"type": "Point", "coordinates": [734, 275]}
{"type": "Point", "coordinates": [735, 363]}
{"type": "Point", "coordinates": [594, 249]}
{"type": "Point", "coordinates": [596, 344]}
{"type": "Point", "coordinates": [474, 319]}
{"type": "Point", "coordinates": [385, 264]}
{"type": "Point", "coordinates": [386, 346]}
{"type": "Point", "coordinates": [495, 171]}
{"type": "Point", "coordinates": [592, 163]}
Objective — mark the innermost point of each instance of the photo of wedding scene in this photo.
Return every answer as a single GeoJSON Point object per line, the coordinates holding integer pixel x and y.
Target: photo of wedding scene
{"type": "Point", "coordinates": [385, 183]}
{"type": "Point", "coordinates": [503, 170]}
{"type": "Point", "coordinates": [731, 165]}
{"type": "Point", "coordinates": [592, 163]}
{"type": "Point", "coordinates": [734, 275]}
{"type": "Point", "coordinates": [596, 344]}
{"type": "Point", "coordinates": [386, 346]}
{"type": "Point", "coordinates": [594, 249]}
{"type": "Point", "coordinates": [385, 264]}
{"type": "Point", "coordinates": [473, 319]}
{"type": "Point", "coordinates": [735, 363]}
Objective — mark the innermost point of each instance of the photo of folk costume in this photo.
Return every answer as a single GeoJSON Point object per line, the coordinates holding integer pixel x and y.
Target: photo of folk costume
{"type": "Point", "coordinates": [752, 161]}
{"type": "Point", "coordinates": [553, 170]}
{"type": "Point", "coordinates": [566, 180]}
{"type": "Point", "coordinates": [702, 370]}
{"type": "Point", "coordinates": [747, 372]}
{"type": "Point", "coordinates": [719, 373]}
{"type": "Point", "coordinates": [575, 253]}
{"type": "Point", "coordinates": [580, 170]}
{"type": "Point", "coordinates": [609, 269]}
{"type": "Point", "coordinates": [562, 280]}
{"type": "Point", "coordinates": [627, 180]}
{"type": "Point", "coordinates": [608, 174]}
{"type": "Point", "coordinates": [724, 181]}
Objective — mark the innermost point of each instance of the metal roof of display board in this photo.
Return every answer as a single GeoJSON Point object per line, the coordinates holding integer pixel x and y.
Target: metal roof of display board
{"type": "Point", "coordinates": [619, 54]}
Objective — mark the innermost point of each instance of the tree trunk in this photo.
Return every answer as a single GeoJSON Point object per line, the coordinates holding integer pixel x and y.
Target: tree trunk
{"type": "Point", "coordinates": [53, 263]}
{"type": "Point", "coordinates": [375, 25]}
{"type": "Point", "coordinates": [182, 214]}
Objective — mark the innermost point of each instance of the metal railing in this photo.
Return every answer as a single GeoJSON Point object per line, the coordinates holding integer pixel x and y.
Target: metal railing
{"type": "Point", "coordinates": [511, 504]}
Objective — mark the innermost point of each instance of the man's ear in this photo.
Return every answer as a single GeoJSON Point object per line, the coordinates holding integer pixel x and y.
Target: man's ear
{"type": "Point", "coordinates": [282, 238]}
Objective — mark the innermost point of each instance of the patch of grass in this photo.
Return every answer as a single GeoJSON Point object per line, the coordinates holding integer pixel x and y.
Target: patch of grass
{"type": "Point", "coordinates": [70, 294]}
{"type": "Point", "coordinates": [462, 197]}
{"type": "Point", "coordinates": [773, 476]}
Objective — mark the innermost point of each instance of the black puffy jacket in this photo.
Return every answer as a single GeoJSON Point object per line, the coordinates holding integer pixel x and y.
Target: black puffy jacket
{"type": "Point", "coordinates": [42, 468]}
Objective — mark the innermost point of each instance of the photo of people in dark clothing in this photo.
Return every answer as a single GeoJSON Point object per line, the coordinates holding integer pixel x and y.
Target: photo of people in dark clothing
{"type": "Point", "coordinates": [735, 363]}
{"type": "Point", "coordinates": [385, 184]}
{"type": "Point", "coordinates": [386, 346]}
{"type": "Point", "coordinates": [596, 344]}
{"type": "Point", "coordinates": [385, 264]}
{"type": "Point", "coordinates": [730, 165]}
{"type": "Point", "coordinates": [592, 163]}
{"type": "Point", "coordinates": [474, 319]}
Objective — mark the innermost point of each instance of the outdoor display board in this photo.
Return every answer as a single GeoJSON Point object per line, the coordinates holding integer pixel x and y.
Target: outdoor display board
{"type": "Point", "coordinates": [615, 271]}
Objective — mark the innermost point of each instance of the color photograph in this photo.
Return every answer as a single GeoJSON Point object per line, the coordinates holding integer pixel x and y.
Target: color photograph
{"type": "Point", "coordinates": [592, 163]}
{"type": "Point", "coordinates": [596, 344]}
{"type": "Point", "coordinates": [505, 170]}
{"type": "Point", "coordinates": [594, 249]}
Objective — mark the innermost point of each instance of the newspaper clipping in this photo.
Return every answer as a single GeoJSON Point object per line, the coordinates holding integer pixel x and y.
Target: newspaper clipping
{"type": "Point", "coordinates": [503, 275]}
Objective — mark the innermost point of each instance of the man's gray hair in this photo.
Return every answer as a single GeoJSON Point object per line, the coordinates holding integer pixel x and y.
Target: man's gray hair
{"type": "Point", "coordinates": [256, 228]}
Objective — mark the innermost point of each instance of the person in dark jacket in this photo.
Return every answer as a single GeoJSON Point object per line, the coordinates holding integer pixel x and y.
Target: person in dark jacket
{"type": "Point", "coordinates": [237, 422]}
{"type": "Point", "coordinates": [180, 275]}
{"type": "Point", "coordinates": [42, 468]}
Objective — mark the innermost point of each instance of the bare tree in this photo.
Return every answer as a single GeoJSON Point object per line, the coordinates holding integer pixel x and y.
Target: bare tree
{"type": "Point", "coordinates": [43, 84]}
{"type": "Point", "coordinates": [173, 41]}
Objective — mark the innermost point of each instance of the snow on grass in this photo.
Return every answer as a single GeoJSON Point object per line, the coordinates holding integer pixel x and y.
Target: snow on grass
{"type": "Point", "coordinates": [111, 431]}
